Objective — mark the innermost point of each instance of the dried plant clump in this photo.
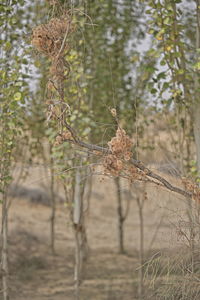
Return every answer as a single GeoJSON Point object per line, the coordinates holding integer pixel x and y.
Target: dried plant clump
{"type": "Point", "coordinates": [121, 144]}
{"type": "Point", "coordinates": [120, 153]}
{"type": "Point", "coordinates": [66, 135]}
{"type": "Point", "coordinates": [113, 112]}
{"type": "Point", "coordinates": [113, 165]}
{"type": "Point", "coordinates": [192, 188]}
{"type": "Point", "coordinates": [135, 174]}
{"type": "Point", "coordinates": [51, 39]}
{"type": "Point", "coordinates": [120, 148]}
{"type": "Point", "coordinates": [48, 38]}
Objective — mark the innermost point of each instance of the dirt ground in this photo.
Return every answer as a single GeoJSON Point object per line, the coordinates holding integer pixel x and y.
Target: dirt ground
{"type": "Point", "coordinates": [37, 275]}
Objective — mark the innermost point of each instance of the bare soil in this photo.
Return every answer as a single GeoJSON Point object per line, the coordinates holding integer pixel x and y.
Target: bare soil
{"type": "Point", "coordinates": [36, 274]}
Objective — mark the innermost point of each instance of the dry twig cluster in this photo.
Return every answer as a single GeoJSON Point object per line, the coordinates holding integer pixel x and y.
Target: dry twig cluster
{"type": "Point", "coordinates": [50, 39]}
{"type": "Point", "coordinates": [66, 135]}
{"type": "Point", "coordinates": [192, 188]}
{"type": "Point", "coordinates": [120, 150]}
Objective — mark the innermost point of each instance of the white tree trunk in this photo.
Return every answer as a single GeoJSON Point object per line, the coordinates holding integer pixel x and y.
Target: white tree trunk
{"type": "Point", "coordinates": [79, 231]}
{"type": "Point", "coordinates": [196, 115]}
{"type": "Point", "coordinates": [77, 199]}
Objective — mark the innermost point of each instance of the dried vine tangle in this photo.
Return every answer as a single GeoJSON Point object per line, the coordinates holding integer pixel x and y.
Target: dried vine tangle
{"type": "Point", "coordinates": [51, 39]}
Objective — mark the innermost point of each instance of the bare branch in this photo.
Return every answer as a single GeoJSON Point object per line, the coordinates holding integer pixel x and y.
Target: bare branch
{"type": "Point", "coordinates": [138, 164]}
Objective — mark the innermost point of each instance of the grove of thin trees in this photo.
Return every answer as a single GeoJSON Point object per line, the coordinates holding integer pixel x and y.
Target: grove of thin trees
{"type": "Point", "coordinates": [86, 89]}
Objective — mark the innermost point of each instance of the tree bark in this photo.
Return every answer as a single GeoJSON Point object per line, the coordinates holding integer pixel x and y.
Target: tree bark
{"type": "Point", "coordinates": [121, 218]}
{"type": "Point", "coordinates": [53, 209]}
{"type": "Point", "coordinates": [196, 115]}
{"type": "Point", "coordinates": [4, 250]}
{"type": "Point", "coordinates": [141, 251]}
{"type": "Point", "coordinates": [196, 104]}
{"type": "Point", "coordinates": [79, 231]}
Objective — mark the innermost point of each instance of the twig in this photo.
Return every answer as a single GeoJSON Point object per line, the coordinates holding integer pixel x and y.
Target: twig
{"type": "Point", "coordinates": [138, 164]}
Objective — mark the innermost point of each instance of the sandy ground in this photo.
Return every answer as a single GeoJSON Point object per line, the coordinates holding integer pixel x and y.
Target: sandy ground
{"type": "Point", "coordinates": [37, 275]}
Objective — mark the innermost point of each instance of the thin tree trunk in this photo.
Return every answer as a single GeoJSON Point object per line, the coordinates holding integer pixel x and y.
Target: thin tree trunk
{"type": "Point", "coordinates": [4, 251]}
{"type": "Point", "coordinates": [140, 199]}
{"type": "Point", "coordinates": [196, 101]}
{"type": "Point", "coordinates": [196, 115]}
{"type": "Point", "coordinates": [141, 251]}
{"type": "Point", "coordinates": [80, 234]}
{"type": "Point", "coordinates": [77, 223]}
{"type": "Point", "coordinates": [196, 104]}
{"type": "Point", "coordinates": [88, 193]}
{"type": "Point", "coordinates": [53, 210]}
{"type": "Point", "coordinates": [121, 218]}
{"type": "Point", "coordinates": [77, 267]}
{"type": "Point", "coordinates": [192, 233]}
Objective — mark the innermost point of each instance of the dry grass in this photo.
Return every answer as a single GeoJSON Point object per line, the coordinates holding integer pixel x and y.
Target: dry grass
{"type": "Point", "coordinates": [37, 275]}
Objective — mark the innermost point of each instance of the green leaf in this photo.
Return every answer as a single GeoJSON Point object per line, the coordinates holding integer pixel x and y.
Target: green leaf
{"type": "Point", "coordinates": [17, 96]}
{"type": "Point", "coordinates": [148, 11]}
{"type": "Point", "coordinates": [7, 178]}
{"type": "Point", "coordinates": [161, 75]}
{"type": "Point", "coordinates": [163, 62]}
{"type": "Point", "coordinates": [165, 85]}
{"type": "Point", "coordinates": [8, 46]}
{"type": "Point", "coordinates": [153, 91]}
{"type": "Point", "coordinates": [197, 65]}
{"type": "Point", "coordinates": [167, 21]}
